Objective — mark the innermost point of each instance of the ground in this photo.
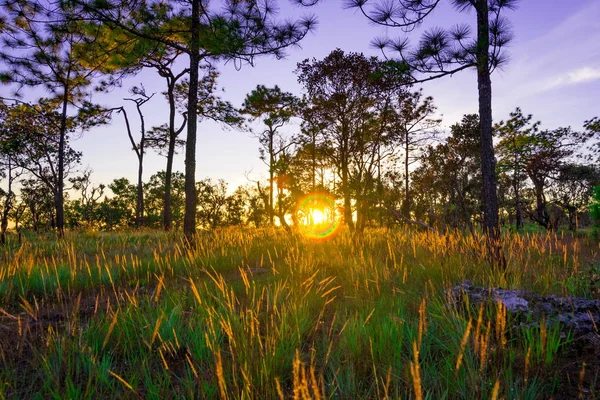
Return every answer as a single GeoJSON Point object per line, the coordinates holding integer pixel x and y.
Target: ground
{"type": "Point", "coordinates": [263, 314]}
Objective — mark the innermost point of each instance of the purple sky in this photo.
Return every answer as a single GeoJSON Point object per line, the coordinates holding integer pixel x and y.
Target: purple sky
{"type": "Point", "coordinates": [553, 73]}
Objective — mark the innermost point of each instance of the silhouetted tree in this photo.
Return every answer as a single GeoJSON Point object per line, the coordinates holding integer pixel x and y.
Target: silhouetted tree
{"type": "Point", "coordinates": [139, 146]}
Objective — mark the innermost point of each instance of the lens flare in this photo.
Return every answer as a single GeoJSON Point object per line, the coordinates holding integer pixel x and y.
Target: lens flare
{"type": "Point", "coordinates": [318, 216]}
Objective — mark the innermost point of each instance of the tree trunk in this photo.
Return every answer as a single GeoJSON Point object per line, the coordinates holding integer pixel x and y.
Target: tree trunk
{"type": "Point", "coordinates": [58, 194]}
{"type": "Point", "coordinates": [189, 221]}
{"type": "Point", "coordinates": [7, 206]}
{"type": "Point", "coordinates": [517, 187]}
{"type": "Point", "coordinates": [572, 212]}
{"type": "Point", "coordinates": [345, 178]}
{"type": "Point", "coordinates": [488, 163]}
{"type": "Point", "coordinates": [314, 161]}
{"type": "Point", "coordinates": [271, 177]}
{"type": "Point", "coordinates": [518, 213]}
{"type": "Point", "coordinates": [406, 205]}
{"type": "Point", "coordinates": [139, 203]}
{"type": "Point", "coordinates": [346, 192]}
{"type": "Point", "coordinates": [167, 213]}
{"type": "Point", "coordinates": [463, 207]}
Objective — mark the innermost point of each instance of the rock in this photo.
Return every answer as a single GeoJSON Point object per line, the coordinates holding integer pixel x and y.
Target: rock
{"type": "Point", "coordinates": [578, 315]}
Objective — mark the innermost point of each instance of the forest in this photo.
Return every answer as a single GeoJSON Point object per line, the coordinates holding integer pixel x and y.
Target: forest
{"type": "Point", "coordinates": [350, 266]}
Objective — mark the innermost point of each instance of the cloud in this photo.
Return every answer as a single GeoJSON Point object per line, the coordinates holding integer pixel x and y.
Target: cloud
{"type": "Point", "coordinates": [573, 77]}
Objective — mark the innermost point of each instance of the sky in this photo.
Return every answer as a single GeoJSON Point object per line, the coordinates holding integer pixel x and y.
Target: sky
{"type": "Point", "coordinates": [553, 73]}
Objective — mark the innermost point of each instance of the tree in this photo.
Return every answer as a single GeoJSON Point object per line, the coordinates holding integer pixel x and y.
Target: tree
{"type": "Point", "coordinates": [236, 207]}
{"type": "Point", "coordinates": [210, 107]}
{"type": "Point", "coordinates": [169, 131]}
{"type": "Point", "coordinates": [119, 210]}
{"type": "Point", "coordinates": [40, 48]}
{"type": "Point", "coordinates": [592, 129]}
{"type": "Point", "coordinates": [310, 158]}
{"type": "Point", "coordinates": [415, 127]}
{"type": "Point", "coordinates": [9, 146]}
{"type": "Point", "coordinates": [347, 96]}
{"type": "Point", "coordinates": [39, 205]}
{"type": "Point", "coordinates": [242, 31]}
{"type": "Point", "coordinates": [86, 206]}
{"type": "Point", "coordinates": [443, 52]}
{"type": "Point", "coordinates": [275, 108]}
{"type": "Point", "coordinates": [573, 188]}
{"type": "Point", "coordinates": [139, 147]}
{"type": "Point", "coordinates": [212, 199]}
{"type": "Point", "coordinates": [595, 206]}
{"type": "Point", "coordinates": [517, 135]}
{"type": "Point", "coordinates": [136, 53]}
{"type": "Point", "coordinates": [549, 150]}
{"type": "Point", "coordinates": [447, 183]}
{"type": "Point", "coordinates": [34, 134]}
{"type": "Point", "coordinates": [155, 198]}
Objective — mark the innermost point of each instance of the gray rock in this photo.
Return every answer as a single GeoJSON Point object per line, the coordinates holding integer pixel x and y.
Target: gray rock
{"type": "Point", "coordinates": [578, 315]}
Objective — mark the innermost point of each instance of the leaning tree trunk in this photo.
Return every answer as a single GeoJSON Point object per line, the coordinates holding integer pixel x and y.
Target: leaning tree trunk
{"type": "Point", "coordinates": [488, 163]}
{"type": "Point", "coordinates": [189, 221]}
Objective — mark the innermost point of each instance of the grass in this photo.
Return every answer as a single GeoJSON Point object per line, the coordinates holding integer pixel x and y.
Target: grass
{"type": "Point", "coordinates": [261, 314]}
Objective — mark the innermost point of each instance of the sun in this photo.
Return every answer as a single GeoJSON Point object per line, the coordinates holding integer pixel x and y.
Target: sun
{"type": "Point", "coordinates": [318, 217]}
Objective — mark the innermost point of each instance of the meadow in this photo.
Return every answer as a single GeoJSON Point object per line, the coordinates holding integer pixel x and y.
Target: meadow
{"type": "Point", "coordinates": [260, 314]}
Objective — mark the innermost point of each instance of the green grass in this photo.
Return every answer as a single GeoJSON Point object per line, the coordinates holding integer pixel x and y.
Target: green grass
{"type": "Point", "coordinates": [261, 314]}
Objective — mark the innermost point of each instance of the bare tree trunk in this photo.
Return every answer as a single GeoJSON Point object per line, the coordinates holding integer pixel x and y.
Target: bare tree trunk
{"type": "Point", "coordinates": [345, 178]}
{"type": "Point", "coordinates": [60, 184]}
{"type": "Point", "coordinates": [518, 213]}
{"type": "Point", "coordinates": [167, 212]}
{"type": "Point", "coordinates": [271, 177]}
{"type": "Point", "coordinates": [139, 204]}
{"type": "Point", "coordinates": [406, 205]}
{"type": "Point", "coordinates": [189, 221]}
{"type": "Point", "coordinates": [347, 199]}
{"type": "Point", "coordinates": [488, 163]}
{"type": "Point", "coordinates": [7, 205]}
{"type": "Point", "coordinates": [517, 187]}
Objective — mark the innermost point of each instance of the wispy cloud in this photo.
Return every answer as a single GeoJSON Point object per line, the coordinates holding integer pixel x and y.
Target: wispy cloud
{"type": "Point", "coordinates": [579, 75]}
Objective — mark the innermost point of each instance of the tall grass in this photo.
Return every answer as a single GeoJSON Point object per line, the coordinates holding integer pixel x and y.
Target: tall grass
{"type": "Point", "coordinates": [259, 314]}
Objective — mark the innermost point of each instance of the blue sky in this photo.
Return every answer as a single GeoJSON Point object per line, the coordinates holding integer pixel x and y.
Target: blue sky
{"type": "Point", "coordinates": [553, 73]}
